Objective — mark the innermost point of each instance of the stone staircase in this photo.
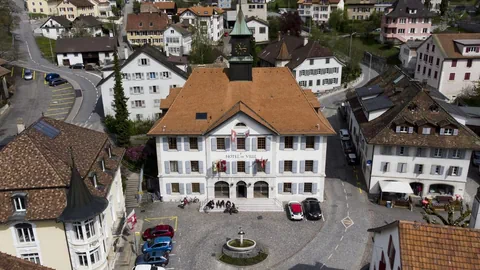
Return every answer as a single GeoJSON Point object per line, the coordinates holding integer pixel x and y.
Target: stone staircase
{"type": "Point", "coordinates": [131, 190]}
{"type": "Point", "coordinates": [251, 205]}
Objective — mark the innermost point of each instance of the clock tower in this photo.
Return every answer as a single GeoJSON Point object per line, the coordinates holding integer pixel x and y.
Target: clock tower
{"type": "Point", "coordinates": [241, 61]}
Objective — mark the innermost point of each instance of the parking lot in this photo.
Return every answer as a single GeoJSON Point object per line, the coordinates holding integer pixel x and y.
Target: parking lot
{"type": "Point", "coordinates": [199, 237]}
{"type": "Point", "coordinates": [63, 97]}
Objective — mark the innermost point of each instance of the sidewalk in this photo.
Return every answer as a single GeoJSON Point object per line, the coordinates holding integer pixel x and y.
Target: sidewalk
{"type": "Point", "coordinates": [127, 255]}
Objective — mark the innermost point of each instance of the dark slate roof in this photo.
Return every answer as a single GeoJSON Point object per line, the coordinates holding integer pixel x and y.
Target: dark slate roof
{"type": "Point", "coordinates": [270, 53]}
{"type": "Point", "coordinates": [400, 7]}
{"type": "Point", "coordinates": [86, 44]}
{"type": "Point", "coordinates": [377, 103]}
{"type": "Point", "coordinates": [451, 108]}
{"type": "Point", "coordinates": [81, 3]}
{"type": "Point", "coordinates": [181, 29]}
{"type": "Point", "coordinates": [369, 91]}
{"type": "Point", "coordinates": [312, 50]}
{"type": "Point", "coordinates": [406, 94]}
{"type": "Point", "coordinates": [178, 60]}
{"type": "Point", "coordinates": [471, 111]}
{"type": "Point", "coordinates": [89, 21]}
{"type": "Point", "coordinates": [253, 18]}
{"type": "Point", "coordinates": [413, 44]}
{"type": "Point", "coordinates": [155, 54]}
{"type": "Point", "coordinates": [62, 20]}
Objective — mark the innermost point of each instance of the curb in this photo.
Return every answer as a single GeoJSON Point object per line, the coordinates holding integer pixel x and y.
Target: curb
{"type": "Point", "coordinates": [76, 106]}
{"type": "Point", "coordinates": [4, 109]}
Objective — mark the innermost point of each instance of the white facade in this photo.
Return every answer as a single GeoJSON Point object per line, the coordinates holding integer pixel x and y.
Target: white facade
{"type": "Point", "coordinates": [256, 8]}
{"type": "Point", "coordinates": [68, 59]}
{"type": "Point", "coordinates": [381, 242]}
{"type": "Point", "coordinates": [319, 13]}
{"type": "Point", "coordinates": [281, 181]}
{"type": "Point", "coordinates": [408, 57]}
{"type": "Point", "coordinates": [176, 43]}
{"type": "Point", "coordinates": [319, 74]}
{"type": "Point", "coordinates": [52, 29]}
{"type": "Point", "coordinates": [259, 30]}
{"type": "Point", "coordinates": [145, 82]}
{"type": "Point", "coordinates": [210, 26]}
{"type": "Point", "coordinates": [448, 75]}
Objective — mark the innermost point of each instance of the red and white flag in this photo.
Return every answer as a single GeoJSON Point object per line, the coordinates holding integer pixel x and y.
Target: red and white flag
{"type": "Point", "coordinates": [247, 133]}
{"type": "Point", "coordinates": [132, 220]}
{"type": "Point", "coordinates": [233, 136]}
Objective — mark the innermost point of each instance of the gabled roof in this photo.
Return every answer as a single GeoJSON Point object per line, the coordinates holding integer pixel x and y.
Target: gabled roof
{"type": "Point", "coordinates": [201, 11]}
{"type": "Point", "coordinates": [155, 54]}
{"type": "Point", "coordinates": [413, 44]}
{"type": "Point", "coordinates": [312, 50]}
{"type": "Point", "coordinates": [86, 44]}
{"type": "Point", "coordinates": [181, 29]}
{"type": "Point", "coordinates": [147, 22]}
{"type": "Point", "coordinates": [9, 262]}
{"type": "Point", "coordinates": [459, 246]}
{"type": "Point", "coordinates": [80, 3]}
{"type": "Point", "coordinates": [165, 5]}
{"type": "Point", "coordinates": [401, 9]}
{"type": "Point", "coordinates": [263, 99]}
{"type": "Point", "coordinates": [270, 53]}
{"type": "Point", "coordinates": [253, 18]}
{"type": "Point", "coordinates": [446, 42]}
{"type": "Point", "coordinates": [88, 21]}
{"type": "Point", "coordinates": [62, 20]}
{"type": "Point", "coordinates": [172, 95]}
{"type": "Point", "coordinates": [360, 2]}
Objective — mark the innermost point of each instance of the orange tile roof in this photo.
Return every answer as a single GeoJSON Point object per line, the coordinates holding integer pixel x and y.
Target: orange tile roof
{"type": "Point", "coordinates": [9, 262]}
{"type": "Point", "coordinates": [312, 98]}
{"type": "Point", "coordinates": [273, 98]}
{"type": "Point", "coordinates": [201, 11]}
{"type": "Point", "coordinates": [164, 5]}
{"type": "Point", "coordinates": [447, 44]}
{"type": "Point", "coordinates": [167, 102]}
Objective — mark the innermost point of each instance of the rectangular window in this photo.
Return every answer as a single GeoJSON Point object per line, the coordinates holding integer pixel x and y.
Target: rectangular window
{"type": "Point", "coordinates": [448, 131]}
{"type": "Point", "coordinates": [90, 227]}
{"type": "Point", "coordinates": [25, 234]}
{"type": "Point", "coordinates": [429, 72]}
{"type": "Point", "coordinates": [95, 256]}
{"type": "Point", "coordinates": [77, 228]}
{"type": "Point", "coordinates": [32, 257]}
{"type": "Point", "coordinates": [455, 153]}
{"type": "Point", "coordinates": [241, 166]}
{"type": "Point", "coordinates": [419, 169]}
{"type": "Point", "coordinates": [19, 203]}
{"type": "Point", "coordinates": [310, 83]}
{"type": "Point", "coordinates": [287, 187]}
{"type": "Point", "coordinates": [174, 166]}
{"type": "Point", "coordinates": [402, 168]}
{"type": "Point", "coordinates": [425, 30]}
{"type": "Point", "coordinates": [452, 77]}
{"type": "Point", "coordinates": [391, 252]}
{"type": "Point", "coordinates": [289, 142]}
{"type": "Point", "coordinates": [138, 76]}
{"type": "Point", "coordinates": [412, 30]}
{"type": "Point", "coordinates": [418, 68]}
{"type": "Point", "coordinates": [426, 131]}
{"type": "Point", "coordinates": [312, 61]}
{"type": "Point", "coordinates": [385, 167]}
{"type": "Point", "coordinates": [403, 129]}
{"type": "Point", "coordinates": [402, 150]}
{"type": "Point", "coordinates": [166, 74]}
{"type": "Point", "coordinates": [287, 165]}
{"type": "Point", "coordinates": [428, 47]}
{"type": "Point", "coordinates": [309, 165]}
{"type": "Point", "coordinates": [175, 187]}
{"type": "Point", "coordinates": [310, 142]}
{"type": "Point", "coordinates": [424, 69]}
{"type": "Point", "coordinates": [240, 143]}
{"type": "Point", "coordinates": [438, 61]}
{"type": "Point", "coordinates": [82, 258]}
{"type": "Point", "coordinates": [262, 30]}
{"type": "Point", "coordinates": [455, 171]}
{"type": "Point", "coordinates": [435, 75]}
{"type": "Point", "coordinates": [437, 152]}
{"type": "Point", "coordinates": [261, 143]}
{"type": "Point", "coordinates": [327, 60]}
{"type": "Point", "coordinates": [195, 187]}
{"type": "Point", "coordinates": [437, 169]}
{"type": "Point", "coordinates": [420, 152]}
{"type": "Point", "coordinates": [469, 63]}
{"type": "Point", "coordinates": [172, 143]}
{"type": "Point", "coordinates": [454, 63]}
{"type": "Point", "coordinates": [220, 143]}
{"type": "Point", "coordinates": [194, 166]}
{"type": "Point", "coordinates": [152, 75]}
{"type": "Point", "coordinates": [193, 143]}
{"type": "Point", "coordinates": [307, 187]}
{"type": "Point", "coordinates": [467, 76]}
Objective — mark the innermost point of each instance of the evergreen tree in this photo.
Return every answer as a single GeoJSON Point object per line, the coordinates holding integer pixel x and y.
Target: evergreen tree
{"type": "Point", "coordinates": [122, 124]}
{"type": "Point", "coordinates": [443, 7]}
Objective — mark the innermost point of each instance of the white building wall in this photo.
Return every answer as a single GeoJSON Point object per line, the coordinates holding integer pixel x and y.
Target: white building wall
{"type": "Point", "coordinates": [151, 107]}
{"type": "Point", "coordinates": [380, 244]}
{"type": "Point", "coordinates": [183, 47]}
{"type": "Point", "coordinates": [272, 176]}
{"type": "Point", "coordinates": [52, 33]}
{"type": "Point", "coordinates": [214, 24]}
{"type": "Point", "coordinates": [74, 58]}
{"type": "Point", "coordinates": [258, 10]}
{"type": "Point", "coordinates": [316, 82]}
{"type": "Point", "coordinates": [255, 27]}
{"type": "Point", "coordinates": [408, 57]}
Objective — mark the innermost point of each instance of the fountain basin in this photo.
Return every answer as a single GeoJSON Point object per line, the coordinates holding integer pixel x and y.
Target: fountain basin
{"type": "Point", "coordinates": [248, 244]}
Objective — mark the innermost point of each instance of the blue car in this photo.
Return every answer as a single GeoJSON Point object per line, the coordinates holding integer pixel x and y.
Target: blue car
{"type": "Point", "coordinates": [51, 76]}
{"type": "Point", "coordinates": [157, 258]}
{"type": "Point", "coordinates": [163, 243]}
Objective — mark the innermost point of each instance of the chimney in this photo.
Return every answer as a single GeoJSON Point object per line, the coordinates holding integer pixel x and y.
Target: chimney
{"type": "Point", "coordinates": [305, 41]}
{"type": "Point", "coordinates": [109, 150]}
{"type": "Point", "coordinates": [279, 35]}
{"type": "Point", "coordinates": [103, 165]}
{"type": "Point", "coordinates": [95, 180]}
{"type": "Point", "coordinates": [125, 51]}
{"type": "Point", "coordinates": [20, 125]}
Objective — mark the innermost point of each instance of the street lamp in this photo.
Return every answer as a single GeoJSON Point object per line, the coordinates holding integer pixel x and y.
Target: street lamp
{"type": "Point", "coordinates": [370, 66]}
{"type": "Point", "coordinates": [350, 48]}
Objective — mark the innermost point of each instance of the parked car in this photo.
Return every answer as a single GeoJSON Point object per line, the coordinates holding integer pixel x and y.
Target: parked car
{"type": "Point", "coordinates": [57, 81]}
{"type": "Point", "coordinates": [351, 159]}
{"type": "Point", "coordinates": [476, 158]}
{"type": "Point", "coordinates": [156, 258]}
{"type": "Point", "coordinates": [159, 230]}
{"type": "Point", "coordinates": [51, 76]}
{"type": "Point", "coordinates": [77, 66]}
{"type": "Point", "coordinates": [311, 207]}
{"type": "Point", "coordinates": [344, 135]}
{"type": "Point", "coordinates": [147, 267]}
{"type": "Point", "coordinates": [89, 67]}
{"type": "Point", "coordinates": [348, 147]}
{"type": "Point", "coordinates": [28, 75]}
{"type": "Point", "coordinates": [295, 211]}
{"type": "Point", "coordinates": [162, 243]}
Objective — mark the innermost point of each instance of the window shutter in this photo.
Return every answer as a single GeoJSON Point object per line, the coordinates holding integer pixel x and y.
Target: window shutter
{"type": "Point", "coordinates": [455, 131]}
{"type": "Point", "coordinates": [317, 142]}
{"type": "Point", "coordinates": [462, 153]}
{"type": "Point", "coordinates": [148, 61]}
{"type": "Point", "coordinates": [459, 171]}
{"type": "Point", "coordinates": [315, 166]}
{"type": "Point", "coordinates": [179, 143]}
{"type": "Point", "coordinates": [294, 166]}
{"type": "Point", "coordinates": [247, 167]}
{"type": "Point", "coordinates": [441, 170]}
{"type": "Point", "coordinates": [254, 144]}
{"type": "Point", "coordinates": [303, 146]}
{"type": "Point", "coordinates": [314, 188]}
{"type": "Point", "coordinates": [267, 167]}
{"type": "Point", "coordinates": [382, 166]}
{"type": "Point", "coordinates": [397, 129]}
{"type": "Point", "coordinates": [280, 187]}
{"type": "Point", "coordinates": [415, 170]}
{"type": "Point", "coordinates": [449, 172]}
{"type": "Point", "coordinates": [407, 151]}
{"type": "Point", "coordinates": [247, 144]}
{"type": "Point", "coordinates": [432, 152]}
{"type": "Point", "coordinates": [180, 167]}
{"type": "Point", "coordinates": [156, 75]}
{"type": "Point", "coordinates": [188, 168]}
{"type": "Point", "coordinates": [168, 188]}
{"type": "Point", "coordinates": [150, 89]}
{"type": "Point", "coordinates": [280, 166]}
{"type": "Point", "coordinates": [167, 167]}
{"type": "Point", "coordinates": [202, 188]}
{"type": "Point", "coordinates": [294, 188]}
{"type": "Point", "coordinates": [143, 103]}
{"type": "Point", "coordinates": [165, 144]}
{"type": "Point", "coordinates": [398, 150]}
{"type": "Point", "coordinates": [410, 130]}
{"type": "Point", "coordinates": [182, 188]}
{"type": "Point", "coordinates": [234, 167]}
{"type": "Point", "coordinates": [200, 167]}
{"type": "Point", "coordinates": [302, 166]}
{"type": "Point", "coordinates": [200, 143]}
{"type": "Point", "coordinates": [228, 167]}
{"type": "Point", "coordinates": [132, 103]}
{"type": "Point", "coordinates": [186, 144]}
{"type": "Point", "coordinates": [254, 168]}
{"type": "Point", "coordinates": [268, 141]}
{"type": "Point", "coordinates": [282, 143]}
{"type": "Point", "coordinates": [301, 187]}
{"type": "Point", "coordinates": [432, 169]}
{"type": "Point", "coordinates": [214, 144]}
{"type": "Point", "coordinates": [442, 131]}
{"type": "Point", "coordinates": [399, 167]}
{"type": "Point", "coordinates": [234, 145]}
{"type": "Point", "coordinates": [189, 188]}
{"type": "Point", "coordinates": [227, 143]}
{"type": "Point", "coordinates": [295, 142]}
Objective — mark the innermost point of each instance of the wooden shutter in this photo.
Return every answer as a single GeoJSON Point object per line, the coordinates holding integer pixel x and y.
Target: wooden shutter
{"type": "Point", "coordinates": [179, 143]}
{"type": "Point", "coordinates": [186, 144]}
{"type": "Point", "coordinates": [301, 187]}
{"type": "Point", "coordinates": [189, 188]}
{"type": "Point", "coordinates": [397, 129]}
{"type": "Point", "coordinates": [202, 188]}
{"type": "Point", "coordinates": [410, 130]}
{"type": "Point", "coordinates": [455, 131]}
{"type": "Point", "coordinates": [200, 166]}
{"type": "Point", "coordinates": [254, 144]}
{"type": "Point", "coordinates": [268, 140]}
{"type": "Point", "coordinates": [214, 144]}
{"type": "Point", "coordinates": [234, 145]}
{"type": "Point", "coordinates": [181, 188]}
{"type": "Point", "coordinates": [227, 143]}
{"type": "Point", "coordinates": [295, 142]}
{"type": "Point", "coordinates": [247, 166]}
{"type": "Point", "coordinates": [280, 187]}
{"type": "Point", "coordinates": [200, 143]}
{"type": "Point", "coordinates": [280, 166]}
{"type": "Point", "coordinates": [247, 144]}
{"type": "Point", "coordinates": [315, 166]}
{"type": "Point", "coordinates": [303, 145]}
{"type": "Point", "coordinates": [167, 167]}
{"type": "Point", "coordinates": [317, 142]}
{"type": "Point", "coordinates": [234, 167]}
{"type": "Point", "coordinates": [294, 166]}
{"type": "Point", "coordinates": [267, 167]}
{"type": "Point", "coordinates": [294, 188]}
{"type": "Point", "coordinates": [228, 167]}
{"type": "Point", "coordinates": [188, 168]}
{"type": "Point", "coordinates": [442, 131]}
{"type": "Point", "coordinates": [168, 188]}
{"type": "Point", "coordinates": [302, 166]}
{"type": "Point", "coordinates": [282, 143]}
{"type": "Point", "coordinates": [165, 144]}
{"type": "Point", "coordinates": [180, 167]}
{"type": "Point", "coordinates": [314, 188]}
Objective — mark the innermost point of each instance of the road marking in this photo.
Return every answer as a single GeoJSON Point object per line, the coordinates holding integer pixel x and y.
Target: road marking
{"type": "Point", "coordinates": [63, 98]}
{"type": "Point", "coordinates": [341, 238]}
{"type": "Point", "coordinates": [172, 254]}
{"type": "Point", "coordinates": [346, 198]}
{"type": "Point", "coordinates": [347, 204]}
{"type": "Point", "coordinates": [173, 218]}
{"type": "Point", "coordinates": [330, 256]}
{"type": "Point", "coordinates": [34, 72]}
{"type": "Point", "coordinates": [52, 114]}
{"type": "Point", "coordinates": [323, 218]}
{"type": "Point", "coordinates": [61, 103]}
{"type": "Point", "coordinates": [65, 94]}
{"type": "Point", "coordinates": [56, 109]}
{"type": "Point", "coordinates": [70, 87]}
{"type": "Point", "coordinates": [336, 247]}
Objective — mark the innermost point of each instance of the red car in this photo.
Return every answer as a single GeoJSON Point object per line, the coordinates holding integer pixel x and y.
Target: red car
{"type": "Point", "coordinates": [159, 230]}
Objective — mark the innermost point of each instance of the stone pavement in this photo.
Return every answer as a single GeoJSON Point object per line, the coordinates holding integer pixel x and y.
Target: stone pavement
{"type": "Point", "coordinates": [127, 256]}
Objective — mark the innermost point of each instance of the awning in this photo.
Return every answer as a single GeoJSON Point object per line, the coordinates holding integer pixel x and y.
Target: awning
{"type": "Point", "coordinates": [395, 186]}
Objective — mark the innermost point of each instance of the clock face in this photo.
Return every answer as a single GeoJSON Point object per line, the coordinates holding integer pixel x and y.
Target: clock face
{"type": "Point", "coordinates": [240, 48]}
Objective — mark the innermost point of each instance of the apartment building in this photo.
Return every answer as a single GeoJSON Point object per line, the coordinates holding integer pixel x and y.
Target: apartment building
{"type": "Point", "coordinates": [407, 141]}
{"type": "Point", "coordinates": [146, 28]}
{"type": "Point", "coordinates": [449, 62]}
{"type": "Point", "coordinates": [253, 8]}
{"type": "Point", "coordinates": [72, 9]}
{"type": "Point", "coordinates": [42, 6]}
{"type": "Point", "coordinates": [85, 50]}
{"type": "Point", "coordinates": [208, 19]}
{"type": "Point", "coordinates": [318, 10]}
{"type": "Point", "coordinates": [147, 77]}
{"type": "Point", "coordinates": [359, 9]}
{"type": "Point", "coordinates": [406, 20]}
{"type": "Point", "coordinates": [178, 40]}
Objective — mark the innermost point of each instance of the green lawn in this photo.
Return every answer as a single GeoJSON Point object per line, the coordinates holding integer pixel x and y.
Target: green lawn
{"type": "Point", "coordinates": [44, 46]}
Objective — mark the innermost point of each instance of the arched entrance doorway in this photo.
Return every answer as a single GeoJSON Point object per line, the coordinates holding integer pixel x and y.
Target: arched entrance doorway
{"type": "Point", "coordinates": [241, 189]}
{"type": "Point", "coordinates": [222, 190]}
{"type": "Point", "coordinates": [417, 188]}
{"type": "Point", "coordinates": [260, 189]}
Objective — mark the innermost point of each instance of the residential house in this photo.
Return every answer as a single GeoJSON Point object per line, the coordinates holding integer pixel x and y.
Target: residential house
{"type": "Point", "coordinates": [408, 54]}
{"type": "Point", "coordinates": [104, 9]}
{"type": "Point", "coordinates": [259, 28]}
{"type": "Point", "coordinates": [406, 20]}
{"type": "Point", "coordinates": [55, 27]}
{"type": "Point", "coordinates": [407, 141]}
{"type": "Point", "coordinates": [449, 62]}
{"type": "Point", "coordinates": [42, 6]}
{"type": "Point", "coordinates": [360, 9]}
{"type": "Point", "coordinates": [178, 40]}
{"type": "Point", "coordinates": [208, 19]}
{"type": "Point", "coordinates": [318, 10]}
{"type": "Point", "coordinates": [85, 50]}
{"type": "Point", "coordinates": [408, 245]}
{"type": "Point", "coordinates": [314, 67]}
{"type": "Point", "coordinates": [62, 197]}
{"type": "Point", "coordinates": [71, 9]}
{"type": "Point", "coordinates": [215, 142]}
{"type": "Point", "coordinates": [382, 5]}
{"type": "Point", "coordinates": [147, 77]}
{"type": "Point", "coordinates": [146, 28]}
{"type": "Point", "coordinates": [253, 8]}
{"type": "Point", "coordinates": [14, 263]}
{"type": "Point", "coordinates": [154, 7]}
{"type": "Point", "coordinates": [60, 27]}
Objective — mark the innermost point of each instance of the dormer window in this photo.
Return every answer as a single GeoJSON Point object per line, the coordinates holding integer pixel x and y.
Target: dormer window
{"type": "Point", "coordinates": [412, 107]}
{"type": "Point", "coordinates": [448, 131]}
{"type": "Point", "coordinates": [402, 129]}
{"type": "Point", "coordinates": [19, 203]}
{"type": "Point", "coordinates": [426, 131]}
{"type": "Point", "coordinates": [434, 108]}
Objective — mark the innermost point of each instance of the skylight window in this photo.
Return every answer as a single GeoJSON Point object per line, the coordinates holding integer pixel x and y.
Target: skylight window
{"type": "Point", "coordinates": [201, 116]}
{"type": "Point", "coordinates": [46, 129]}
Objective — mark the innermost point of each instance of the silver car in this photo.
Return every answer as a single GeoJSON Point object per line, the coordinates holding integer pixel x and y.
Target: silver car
{"type": "Point", "coordinates": [28, 74]}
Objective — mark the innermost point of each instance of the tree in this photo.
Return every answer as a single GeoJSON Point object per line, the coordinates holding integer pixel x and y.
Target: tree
{"type": "Point", "coordinates": [291, 23]}
{"type": "Point", "coordinates": [202, 49]}
{"type": "Point", "coordinates": [273, 27]}
{"type": "Point", "coordinates": [443, 7]}
{"type": "Point", "coordinates": [136, 7]}
{"type": "Point", "coordinates": [122, 124]}
{"type": "Point", "coordinates": [79, 29]}
{"type": "Point", "coordinates": [375, 21]}
{"type": "Point", "coordinates": [428, 4]}
{"type": "Point", "coordinates": [462, 221]}
{"type": "Point", "coordinates": [337, 20]}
